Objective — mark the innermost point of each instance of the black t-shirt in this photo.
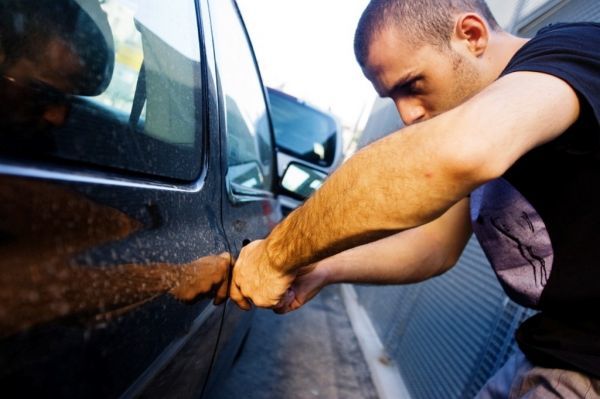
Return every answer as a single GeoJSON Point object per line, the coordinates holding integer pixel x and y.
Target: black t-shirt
{"type": "Point", "coordinates": [540, 223]}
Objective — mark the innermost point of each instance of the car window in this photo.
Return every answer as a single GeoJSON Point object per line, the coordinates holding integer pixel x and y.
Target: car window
{"type": "Point", "coordinates": [302, 130]}
{"type": "Point", "coordinates": [111, 83]}
{"type": "Point", "coordinates": [250, 151]}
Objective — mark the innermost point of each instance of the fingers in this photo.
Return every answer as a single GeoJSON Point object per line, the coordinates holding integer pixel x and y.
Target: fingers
{"type": "Point", "coordinates": [285, 301]}
{"type": "Point", "coordinates": [255, 281]}
{"type": "Point", "coordinates": [306, 286]}
{"type": "Point", "coordinates": [281, 310]}
{"type": "Point", "coordinates": [235, 292]}
{"type": "Point", "coordinates": [289, 307]}
{"type": "Point", "coordinates": [236, 296]}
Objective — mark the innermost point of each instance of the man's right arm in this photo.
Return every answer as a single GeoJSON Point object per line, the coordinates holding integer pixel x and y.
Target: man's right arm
{"type": "Point", "coordinates": [407, 179]}
{"type": "Point", "coordinates": [407, 257]}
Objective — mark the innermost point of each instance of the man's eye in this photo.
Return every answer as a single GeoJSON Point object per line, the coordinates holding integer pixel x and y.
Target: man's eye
{"type": "Point", "coordinates": [415, 86]}
{"type": "Point", "coordinates": [411, 88]}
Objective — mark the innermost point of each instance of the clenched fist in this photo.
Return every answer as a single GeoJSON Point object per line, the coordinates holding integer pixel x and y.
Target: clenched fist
{"type": "Point", "coordinates": [256, 280]}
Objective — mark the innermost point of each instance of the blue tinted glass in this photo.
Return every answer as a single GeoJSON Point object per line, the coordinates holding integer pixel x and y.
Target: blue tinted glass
{"type": "Point", "coordinates": [302, 130]}
{"type": "Point", "coordinates": [105, 83]}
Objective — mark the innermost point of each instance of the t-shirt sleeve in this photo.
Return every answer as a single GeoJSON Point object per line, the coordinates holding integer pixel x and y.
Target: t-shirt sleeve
{"type": "Point", "coordinates": [570, 52]}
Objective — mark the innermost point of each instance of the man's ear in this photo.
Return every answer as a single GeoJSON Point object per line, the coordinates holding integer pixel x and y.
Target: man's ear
{"type": "Point", "coordinates": [472, 29]}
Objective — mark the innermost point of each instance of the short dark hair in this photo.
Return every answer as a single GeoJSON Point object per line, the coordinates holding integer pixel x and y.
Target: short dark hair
{"type": "Point", "coordinates": [424, 21]}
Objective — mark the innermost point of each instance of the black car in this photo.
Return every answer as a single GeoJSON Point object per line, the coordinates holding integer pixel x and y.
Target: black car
{"type": "Point", "coordinates": [309, 146]}
{"type": "Point", "coordinates": [137, 156]}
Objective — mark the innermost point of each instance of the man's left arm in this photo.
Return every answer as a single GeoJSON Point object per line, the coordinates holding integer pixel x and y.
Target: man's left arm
{"type": "Point", "coordinates": [408, 178]}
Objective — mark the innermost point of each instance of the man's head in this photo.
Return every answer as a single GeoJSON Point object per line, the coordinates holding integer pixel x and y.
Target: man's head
{"type": "Point", "coordinates": [50, 50]}
{"type": "Point", "coordinates": [427, 55]}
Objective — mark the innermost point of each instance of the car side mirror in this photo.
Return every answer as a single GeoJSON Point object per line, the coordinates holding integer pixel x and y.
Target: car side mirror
{"type": "Point", "coordinates": [309, 147]}
{"type": "Point", "coordinates": [300, 180]}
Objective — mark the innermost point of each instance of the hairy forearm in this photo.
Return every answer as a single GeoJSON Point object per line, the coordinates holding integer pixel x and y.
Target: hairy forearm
{"type": "Point", "coordinates": [411, 177]}
{"type": "Point", "coordinates": [397, 183]}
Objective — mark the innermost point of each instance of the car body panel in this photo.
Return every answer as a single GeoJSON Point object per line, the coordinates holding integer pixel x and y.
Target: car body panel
{"type": "Point", "coordinates": [90, 259]}
{"type": "Point", "coordinates": [120, 223]}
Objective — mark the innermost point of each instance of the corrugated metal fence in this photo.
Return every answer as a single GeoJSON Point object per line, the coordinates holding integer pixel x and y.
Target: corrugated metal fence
{"type": "Point", "coordinates": [449, 334]}
{"type": "Point", "coordinates": [564, 11]}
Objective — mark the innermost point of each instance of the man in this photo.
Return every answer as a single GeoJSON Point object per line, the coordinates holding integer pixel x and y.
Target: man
{"type": "Point", "coordinates": [502, 140]}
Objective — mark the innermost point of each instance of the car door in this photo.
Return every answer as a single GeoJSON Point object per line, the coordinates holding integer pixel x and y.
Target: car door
{"type": "Point", "coordinates": [248, 153]}
{"type": "Point", "coordinates": [111, 191]}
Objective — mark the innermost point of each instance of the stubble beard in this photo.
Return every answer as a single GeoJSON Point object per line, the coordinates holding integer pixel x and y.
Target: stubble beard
{"type": "Point", "coordinates": [467, 81]}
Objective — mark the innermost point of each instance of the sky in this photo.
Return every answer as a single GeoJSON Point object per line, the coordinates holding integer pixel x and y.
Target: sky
{"type": "Point", "coordinates": [305, 48]}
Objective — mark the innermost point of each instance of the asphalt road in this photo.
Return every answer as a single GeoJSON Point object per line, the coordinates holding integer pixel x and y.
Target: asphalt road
{"type": "Point", "coordinates": [310, 353]}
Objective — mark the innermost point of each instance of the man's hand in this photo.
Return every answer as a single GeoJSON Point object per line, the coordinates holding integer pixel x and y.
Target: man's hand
{"type": "Point", "coordinates": [255, 280]}
{"type": "Point", "coordinates": [309, 282]}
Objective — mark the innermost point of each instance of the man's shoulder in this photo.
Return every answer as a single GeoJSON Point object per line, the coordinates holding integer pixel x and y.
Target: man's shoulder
{"type": "Point", "coordinates": [566, 44]}
{"type": "Point", "coordinates": [569, 28]}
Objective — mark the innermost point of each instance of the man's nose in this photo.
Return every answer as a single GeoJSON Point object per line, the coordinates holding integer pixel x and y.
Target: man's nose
{"type": "Point", "coordinates": [56, 115]}
{"type": "Point", "coordinates": [411, 111]}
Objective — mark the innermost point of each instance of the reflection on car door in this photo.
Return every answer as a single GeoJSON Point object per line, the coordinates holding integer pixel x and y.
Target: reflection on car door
{"type": "Point", "coordinates": [111, 234]}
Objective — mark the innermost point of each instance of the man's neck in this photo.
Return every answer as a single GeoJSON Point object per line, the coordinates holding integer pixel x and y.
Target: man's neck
{"type": "Point", "coordinates": [505, 46]}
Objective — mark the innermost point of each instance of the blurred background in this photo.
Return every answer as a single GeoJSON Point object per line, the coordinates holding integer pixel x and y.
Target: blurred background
{"type": "Point", "coordinates": [305, 48]}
